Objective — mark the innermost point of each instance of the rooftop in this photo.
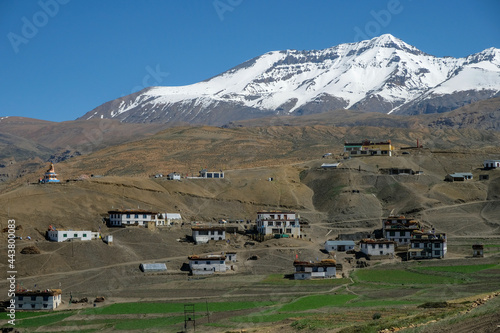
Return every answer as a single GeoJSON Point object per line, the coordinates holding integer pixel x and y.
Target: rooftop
{"type": "Point", "coordinates": [322, 263]}
{"type": "Point", "coordinates": [207, 257]}
{"type": "Point", "coordinates": [131, 211]}
{"type": "Point", "coordinates": [46, 292]}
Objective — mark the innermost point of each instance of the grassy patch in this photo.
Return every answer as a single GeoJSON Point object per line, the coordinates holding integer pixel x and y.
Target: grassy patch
{"type": "Point", "coordinates": [458, 269]}
{"type": "Point", "coordinates": [316, 302]}
{"type": "Point", "coordinates": [281, 280]}
{"type": "Point", "coordinates": [141, 324]}
{"type": "Point", "coordinates": [396, 276]}
{"type": "Point", "coordinates": [144, 308]}
{"type": "Point", "coordinates": [379, 303]}
{"type": "Point", "coordinates": [269, 318]}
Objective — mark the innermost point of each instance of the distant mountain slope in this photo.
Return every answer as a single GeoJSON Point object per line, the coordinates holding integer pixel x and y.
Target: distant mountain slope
{"type": "Point", "coordinates": [383, 74]}
{"type": "Point", "coordinates": [482, 115]}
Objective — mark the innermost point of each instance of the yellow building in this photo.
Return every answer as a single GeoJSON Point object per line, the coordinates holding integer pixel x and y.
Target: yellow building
{"type": "Point", "coordinates": [369, 148]}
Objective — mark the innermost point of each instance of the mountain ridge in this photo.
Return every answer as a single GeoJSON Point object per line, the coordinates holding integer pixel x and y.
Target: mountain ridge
{"type": "Point", "coordinates": [383, 74]}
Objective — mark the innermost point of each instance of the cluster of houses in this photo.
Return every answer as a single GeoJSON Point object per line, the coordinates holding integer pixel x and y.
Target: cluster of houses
{"type": "Point", "coordinates": [400, 234]}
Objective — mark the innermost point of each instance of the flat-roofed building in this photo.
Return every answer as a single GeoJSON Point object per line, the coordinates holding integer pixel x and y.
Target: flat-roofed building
{"type": "Point", "coordinates": [377, 247]}
{"type": "Point", "coordinates": [324, 269]}
{"type": "Point", "coordinates": [29, 300]}
{"type": "Point", "coordinates": [278, 223]}
{"type": "Point", "coordinates": [207, 264]}
{"type": "Point", "coordinates": [204, 234]}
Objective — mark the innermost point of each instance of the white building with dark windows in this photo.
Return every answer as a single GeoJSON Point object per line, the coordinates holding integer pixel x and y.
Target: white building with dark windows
{"type": "Point", "coordinates": [48, 299]}
{"type": "Point", "coordinates": [64, 235]}
{"type": "Point", "coordinates": [140, 217]}
{"type": "Point", "coordinates": [339, 245]}
{"type": "Point", "coordinates": [174, 176]}
{"type": "Point", "coordinates": [211, 174]}
{"type": "Point", "coordinates": [377, 247]}
{"type": "Point", "coordinates": [324, 269]}
{"type": "Point", "coordinates": [399, 229]}
{"type": "Point", "coordinates": [278, 223]}
{"type": "Point", "coordinates": [427, 245]}
{"type": "Point", "coordinates": [207, 264]}
{"type": "Point", "coordinates": [491, 164]}
{"type": "Point", "coordinates": [204, 234]}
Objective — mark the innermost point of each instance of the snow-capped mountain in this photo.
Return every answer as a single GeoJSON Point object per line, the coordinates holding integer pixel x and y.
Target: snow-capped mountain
{"type": "Point", "coordinates": [383, 74]}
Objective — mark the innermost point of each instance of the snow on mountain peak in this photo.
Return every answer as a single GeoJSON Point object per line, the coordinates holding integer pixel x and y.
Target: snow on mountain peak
{"type": "Point", "coordinates": [382, 74]}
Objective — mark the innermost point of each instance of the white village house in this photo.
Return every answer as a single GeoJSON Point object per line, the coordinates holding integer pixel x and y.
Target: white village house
{"type": "Point", "coordinates": [174, 176]}
{"type": "Point", "coordinates": [491, 164]}
{"type": "Point", "coordinates": [377, 247]}
{"type": "Point", "coordinates": [458, 176]}
{"type": "Point", "coordinates": [427, 245]}
{"type": "Point", "coordinates": [211, 174]}
{"type": "Point", "coordinates": [207, 264]}
{"type": "Point", "coordinates": [204, 234]}
{"type": "Point", "coordinates": [140, 217]}
{"type": "Point", "coordinates": [399, 229]}
{"type": "Point", "coordinates": [278, 223]}
{"type": "Point", "coordinates": [64, 235]}
{"type": "Point", "coordinates": [171, 218]}
{"type": "Point", "coordinates": [339, 245]}
{"type": "Point", "coordinates": [324, 269]}
{"type": "Point", "coordinates": [48, 299]}
{"type": "Point", "coordinates": [118, 218]}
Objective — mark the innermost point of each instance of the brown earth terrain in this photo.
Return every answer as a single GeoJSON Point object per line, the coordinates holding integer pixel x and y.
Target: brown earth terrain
{"type": "Point", "coordinates": [351, 199]}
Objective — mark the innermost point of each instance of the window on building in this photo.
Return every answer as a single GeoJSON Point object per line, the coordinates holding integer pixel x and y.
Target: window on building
{"type": "Point", "coordinates": [20, 298]}
{"type": "Point", "coordinates": [373, 246]}
{"type": "Point", "coordinates": [136, 216]}
{"type": "Point", "coordinates": [392, 233]}
{"type": "Point", "coordinates": [288, 231]}
{"type": "Point", "coordinates": [45, 298]}
{"type": "Point", "coordinates": [380, 246]}
{"type": "Point", "coordinates": [128, 216]}
{"type": "Point", "coordinates": [387, 245]}
{"type": "Point", "coordinates": [208, 262]}
{"type": "Point", "coordinates": [84, 235]}
{"type": "Point", "coordinates": [437, 252]}
{"type": "Point", "coordinates": [33, 298]}
{"type": "Point", "coordinates": [222, 261]}
{"type": "Point", "coordinates": [128, 222]}
{"type": "Point", "coordinates": [196, 263]}
{"type": "Point", "coordinates": [269, 223]}
{"type": "Point", "coordinates": [45, 306]}
{"type": "Point", "coordinates": [32, 306]}
{"type": "Point", "coordinates": [271, 216]}
{"type": "Point", "coordinates": [20, 306]}
{"type": "Point", "coordinates": [65, 235]}
{"type": "Point", "coordinates": [437, 245]}
{"type": "Point", "coordinates": [381, 252]}
{"type": "Point", "coordinates": [75, 235]}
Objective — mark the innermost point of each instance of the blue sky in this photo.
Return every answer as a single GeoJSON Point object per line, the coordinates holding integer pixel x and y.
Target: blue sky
{"type": "Point", "coordinates": [62, 58]}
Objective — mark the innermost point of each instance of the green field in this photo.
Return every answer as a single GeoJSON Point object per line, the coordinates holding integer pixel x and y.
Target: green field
{"type": "Point", "coordinates": [392, 294]}
{"type": "Point", "coordinates": [400, 276]}
{"type": "Point", "coordinates": [466, 269]}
